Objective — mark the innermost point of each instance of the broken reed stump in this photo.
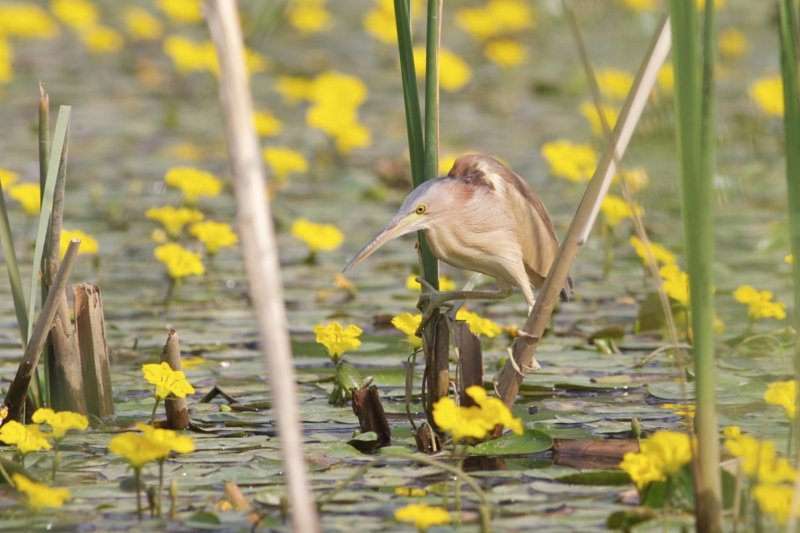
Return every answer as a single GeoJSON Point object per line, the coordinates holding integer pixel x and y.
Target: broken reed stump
{"type": "Point", "coordinates": [470, 360]}
{"type": "Point", "coordinates": [177, 409]}
{"type": "Point", "coordinates": [64, 375]}
{"type": "Point", "coordinates": [368, 408]}
{"type": "Point", "coordinates": [95, 367]}
{"type": "Point", "coordinates": [436, 346]}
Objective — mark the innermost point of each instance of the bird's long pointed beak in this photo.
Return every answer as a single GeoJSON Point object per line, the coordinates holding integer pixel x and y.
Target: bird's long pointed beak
{"type": "Point", "coordinates": [395, 228]}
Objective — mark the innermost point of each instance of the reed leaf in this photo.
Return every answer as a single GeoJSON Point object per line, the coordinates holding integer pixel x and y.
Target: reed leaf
{"type": "Point", "coordinates": [57, 154]}
{"type": "Point", "coordinates": [694, 114]}
{"type": "Point", "coordinates": [12, 267]}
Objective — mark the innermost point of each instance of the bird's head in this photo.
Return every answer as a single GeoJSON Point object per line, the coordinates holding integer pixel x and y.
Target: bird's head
{"type": "Point", "coordinates": [421, 209]}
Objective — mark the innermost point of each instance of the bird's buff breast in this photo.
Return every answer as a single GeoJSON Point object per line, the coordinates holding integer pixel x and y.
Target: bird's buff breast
{"type": "Point", "coordinates": [472, 254]}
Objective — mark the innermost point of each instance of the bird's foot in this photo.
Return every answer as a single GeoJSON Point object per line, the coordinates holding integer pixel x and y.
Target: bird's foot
{"type": "Point", "coordinates": [430, 300]}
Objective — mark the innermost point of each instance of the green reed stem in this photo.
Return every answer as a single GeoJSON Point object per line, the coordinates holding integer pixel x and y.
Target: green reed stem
{"type": "Point", "coordinates": [416, 140]}
{"type": "Point", "coordinates": [790, 52]}
{"type": "Point", "coordinates": [694, 111]}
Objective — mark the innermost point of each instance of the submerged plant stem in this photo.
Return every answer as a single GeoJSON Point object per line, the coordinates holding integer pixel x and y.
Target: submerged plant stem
{"type": "Point", "coordinates": [153, 412]}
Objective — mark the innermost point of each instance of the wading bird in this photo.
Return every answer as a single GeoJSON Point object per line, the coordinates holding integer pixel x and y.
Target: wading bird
{"type": "Point", "coordinates": [481, 217]}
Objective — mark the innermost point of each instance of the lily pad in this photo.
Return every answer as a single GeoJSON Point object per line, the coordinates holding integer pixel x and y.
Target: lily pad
{"type": "Point", "coordinates": [531, 441]}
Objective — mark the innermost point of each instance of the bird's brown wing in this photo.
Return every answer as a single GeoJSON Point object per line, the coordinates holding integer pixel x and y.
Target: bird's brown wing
{"type": "Point", "coordinates": [536, 233]}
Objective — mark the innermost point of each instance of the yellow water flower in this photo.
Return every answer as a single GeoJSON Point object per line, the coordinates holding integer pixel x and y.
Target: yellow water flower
{"type": "Point", "coordinates": [641, 5]}
{"type": "Point", "coordinates": [478, 324]}
{"type": "Point", "coordinates": [789, 259]}
{"type": "Point", "coordinates": [410, 491]}
{"type": "Point", "coordinates": [193, 183]}
{"type": "Point", "coordinates": [776, 501]}
{"type": "Point", "coordinates": [102, 39]}
{"type": "Point", "coordinates": [189, 56]}
{"type": "Point", "coordinates": [666, 79]}
{"type": "Point", "coordinates": [445, 283]}
{"type": "Point", "coordinates": [6, 60]}
{"type": "Point", "coordinates": [338, 339]}
{"type": "Point", "coordinates": [636, 178]}
{"type": "Point", "coordinates": [174, 218]}
{"type": "Point", "coordinates": [26, 438]}
{"type": "Point", "coordinates": [293, 89]}
{"type": "Point", "coordinates": [589, 111]}
{"type": "Point", "coordinates": [7, 178]}
{"type": "Point", "coordinates": [40, 495]}
{"type": "Point", "coordinates": [505, 52]}
{"type": "Point", "coordinates": [351, 136]}
{"type": "Point", "coordinates": [141, 25]}
{"type": "Point", "coordinates": [28, 195]}
{"type": "Point", "coordinates": [284, 161]}
{"type": "Point", "coordinates": [61, 421]}
{"type": "Point", "coordinates": [137, 449]}
{"type": "Point", "coordinates": [179, 261]}
{"type": "Point", "coordinates": [783, 393]}
{"type": "Point", "coordinates": [454, 72]}
{"type": "Point", "coordinates": [497, 17]}
{"type": "Point", "coordinates": [670, 449]}
{"type": "Point", "coordinates": [309, 16]}
{"type": "Point", "coordinates": [78, 14]}
{"type": "Point", "coordinates": [214, 235]}
{"type": "Point", "coordinates": [409, 324]}
{"type": "Point", "coordinates": [767, 93]}
{"type": "Point", "coordinates": [660, 456]}
{"type": "Point", "coordinates": [675, 283]}
{"type": "Point", "coordinates": [617, 209]}
{"type": "Point", "coordinates": [380, 23]}
{"type": "Point", "coordinates": [318, 237]}
{"type": "Point", "coordinates": [660, 253]}
{"type": "Point", "coordinates": [759, 458]}
{"type": "Point", "coordinates": [266, 124]}
{"type": "Point", "coordinates": [88, 246]}
{"type": "Point", "coordinates": [642, 469]}
{"type": "Point", "coordinates": [255, 62]}
{"type": "Point", "coordinates": [168, 438]}
{"type": "Point", "coordinates": [614, 83]}
{"type": "Point", "coordinates": [187, 11]}
{"type": "Point", "coordinates": [167, 381]}
{"type": "Point", "coordinates": [732, 43]}
{"type": "Point", "coordinates": [759, 303]}
{"type": "Point", "coordinates": [474, 421]}
{"type": "Point", "coordinates": [336, 88]}
{"type": "Point", "coordinates": [575, 162]}
{"type": "Point", "coordinates": [422, 516]}
{"type": "Point", "coordinates": [26, 19]}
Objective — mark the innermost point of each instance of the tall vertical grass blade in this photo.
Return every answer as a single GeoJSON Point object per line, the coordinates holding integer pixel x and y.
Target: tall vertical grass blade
{"type": "Point", "coordinates": [56, 156]}
{"type": "Point", "coordinates": [416, 147]}
{"type": "Point", "coordinates": [694, 114]}
{"type": "Point", "coordinates": [790, 54]}
{"type": "Point", "coordinates": [416, 142]}
{"type": "Point", "coordinates": [14, 279]}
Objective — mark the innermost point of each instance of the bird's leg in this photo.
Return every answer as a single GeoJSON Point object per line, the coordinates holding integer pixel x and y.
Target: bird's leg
{"type": "Point", "coordinates": [431, 298]}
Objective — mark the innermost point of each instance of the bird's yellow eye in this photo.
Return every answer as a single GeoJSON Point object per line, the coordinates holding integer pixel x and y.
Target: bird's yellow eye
{"type": "Point", "coordinates": [421, 208]}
